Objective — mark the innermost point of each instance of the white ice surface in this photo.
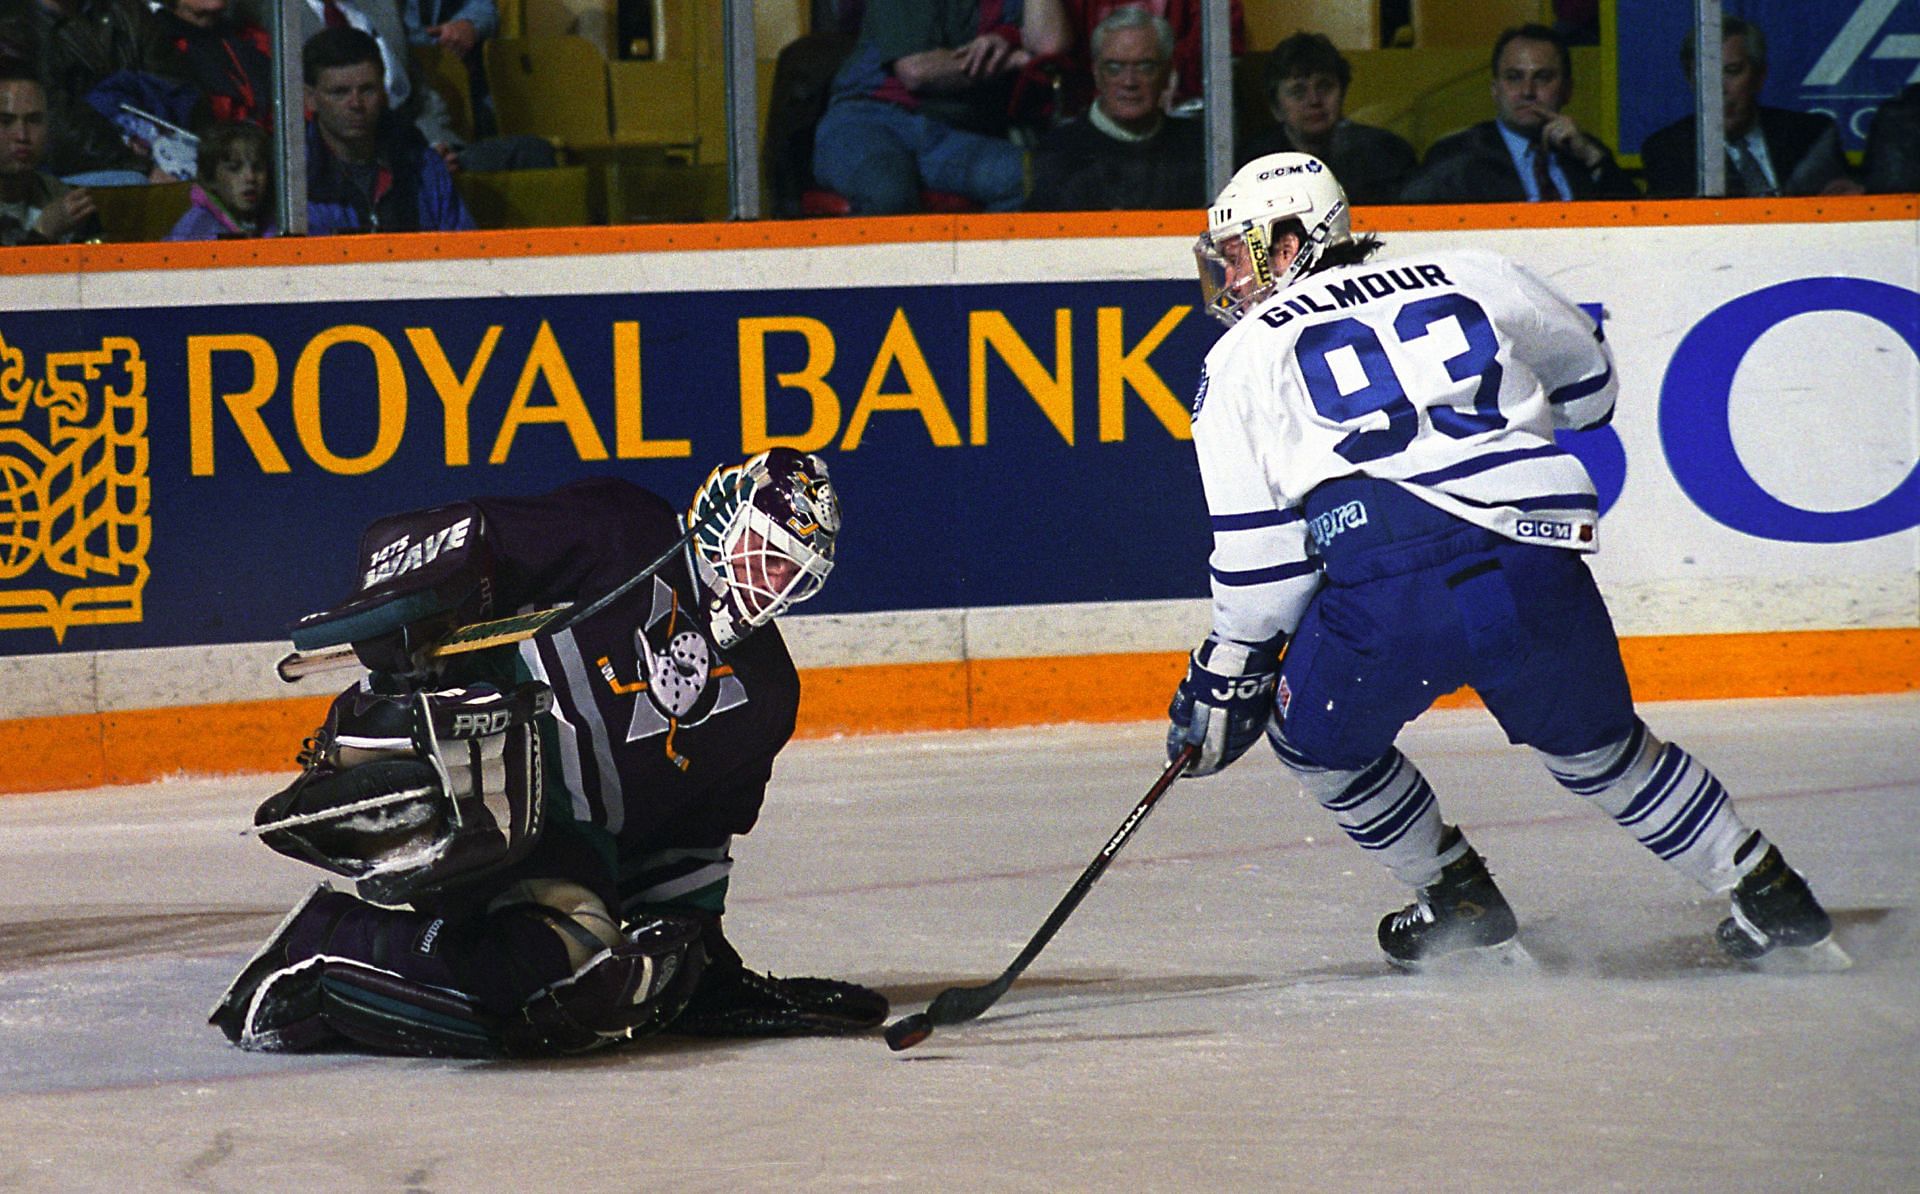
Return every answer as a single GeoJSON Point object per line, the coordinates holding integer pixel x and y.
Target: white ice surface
{"type": "Point", "coordinates": [1215, 1015]}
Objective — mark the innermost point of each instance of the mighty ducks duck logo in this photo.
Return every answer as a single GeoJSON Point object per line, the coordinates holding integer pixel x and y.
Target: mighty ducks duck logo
{"type": "Point", "coordinates": [685, 682]}
{"type": "Point", "coordinates": [75, 521]}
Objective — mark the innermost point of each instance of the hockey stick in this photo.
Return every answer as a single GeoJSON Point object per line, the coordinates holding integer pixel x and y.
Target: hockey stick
{"type": "Point", "coordinates": [958, 1004]}
{"type": "Point", "coordinates": [478, 636]}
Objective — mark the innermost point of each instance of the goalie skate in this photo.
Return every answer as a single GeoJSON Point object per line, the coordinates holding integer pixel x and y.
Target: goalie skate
{"type": "Point", "coordinates": [733, 1001]}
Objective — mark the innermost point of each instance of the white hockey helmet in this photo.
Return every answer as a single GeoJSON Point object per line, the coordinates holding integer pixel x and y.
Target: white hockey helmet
{"type": "Point", "coordinates": [765, 538]}
{"type": "Point", "coordinates": [1235, 253]}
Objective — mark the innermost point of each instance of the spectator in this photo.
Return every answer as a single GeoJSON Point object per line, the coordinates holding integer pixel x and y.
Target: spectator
{"type": "Point", "coordinates": [1770, 151]}
{"type": "Point", "coordinates": [80, 44]}
{"type": "Point", "coordinates": [1531, 150]}
{"type": "Point", "coordinates": [35, 207]}
{"type": "Point", "coordinates": [367, 170]}
{"type": "Point", "coordinates": [922, 102]}
{"type": "Point", "coordinates": [1893, 144]}
{"type": "Point", "coordinates": [230, 198]}
{"type": "Point", "coordinates": [1126, 152]}
{"type": "Point", "coordinates": [229, 58]}
{"type": "Point", "coordinates": [1182, 16]}
{"type": "Point", "coordinates": [458, 27]}
{"type": "Point", "coordinates": [1306, 87]}
{"type": "Point", "coordinates": [410, 99]}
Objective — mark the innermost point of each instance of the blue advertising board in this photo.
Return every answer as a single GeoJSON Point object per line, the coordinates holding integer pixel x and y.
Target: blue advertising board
{"type": "Point", "coordinates": [201, 474]}
{"type": "Point", "coordinates": [1840, 57]}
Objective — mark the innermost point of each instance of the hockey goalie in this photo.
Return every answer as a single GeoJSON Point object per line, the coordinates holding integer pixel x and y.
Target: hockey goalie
{"type": "Point", "coordinates": [538, 834]}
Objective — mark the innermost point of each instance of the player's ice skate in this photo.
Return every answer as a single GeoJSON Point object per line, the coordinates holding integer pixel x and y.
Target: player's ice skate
{"type": "Point", "coordinates": [1777, 925]}
{"type": "Point", "coordinates": [1459, 922]}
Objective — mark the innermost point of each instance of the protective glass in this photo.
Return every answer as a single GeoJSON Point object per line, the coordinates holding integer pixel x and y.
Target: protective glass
{"type": "Point", "coordinates": [1235, 270]}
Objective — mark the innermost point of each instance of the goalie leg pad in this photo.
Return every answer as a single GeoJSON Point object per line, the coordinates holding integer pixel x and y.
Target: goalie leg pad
{"type": "Point", "coordinates": [325, 1001]}
{"type": "Point", "coordinates": [630, 990]}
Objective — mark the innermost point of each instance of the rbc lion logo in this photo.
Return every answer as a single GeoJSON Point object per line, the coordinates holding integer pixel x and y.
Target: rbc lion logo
{"type": "Point", "coordinates": [75, 520]}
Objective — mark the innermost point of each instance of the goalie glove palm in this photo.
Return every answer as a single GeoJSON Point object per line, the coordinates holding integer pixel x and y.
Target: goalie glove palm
{"type": "Point", "coordinates": [1223, 704]}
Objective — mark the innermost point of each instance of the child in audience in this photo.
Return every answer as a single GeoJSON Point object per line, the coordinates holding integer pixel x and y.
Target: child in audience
{"type": "Point", "coordinates": [230, 196]}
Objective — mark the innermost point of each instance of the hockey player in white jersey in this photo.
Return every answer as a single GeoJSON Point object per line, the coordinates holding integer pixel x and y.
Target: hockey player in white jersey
{"type": "Point", "coordinates": [1376, 443]}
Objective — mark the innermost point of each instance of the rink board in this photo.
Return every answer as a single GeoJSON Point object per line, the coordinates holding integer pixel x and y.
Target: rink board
{"type": "Point", "coordinates": [1002, 401]}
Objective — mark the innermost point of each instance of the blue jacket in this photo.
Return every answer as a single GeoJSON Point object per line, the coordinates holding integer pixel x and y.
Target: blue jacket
{"type": "Point", "coordinates": [413, 193]}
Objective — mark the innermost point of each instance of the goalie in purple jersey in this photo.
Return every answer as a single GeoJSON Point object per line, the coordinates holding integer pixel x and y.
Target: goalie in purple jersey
{"type": "Point", "coordinates": [1376, 443]}
{"type": "Point", "coordinates": [540, 832]}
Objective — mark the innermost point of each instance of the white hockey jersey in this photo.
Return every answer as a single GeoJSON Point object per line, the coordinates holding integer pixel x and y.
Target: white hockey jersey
{"type": "Point", "coordinates": [1447, 373]}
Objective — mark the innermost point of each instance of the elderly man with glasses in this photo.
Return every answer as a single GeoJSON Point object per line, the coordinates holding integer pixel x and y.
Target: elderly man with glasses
{"type": "Point", "coordinates": [1126, 152]}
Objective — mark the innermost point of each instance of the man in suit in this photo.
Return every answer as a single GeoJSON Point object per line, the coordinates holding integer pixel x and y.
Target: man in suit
{"type": "Point", "coordinates": [1532, 151]}
{"type": "Point", "coordinates": [1770, 151]}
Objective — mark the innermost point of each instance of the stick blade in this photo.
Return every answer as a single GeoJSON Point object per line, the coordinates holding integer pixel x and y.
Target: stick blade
{"type": "Point", "coordinates": [956, 1005]}
{"type": "Point", "coordinates": [498, 632]}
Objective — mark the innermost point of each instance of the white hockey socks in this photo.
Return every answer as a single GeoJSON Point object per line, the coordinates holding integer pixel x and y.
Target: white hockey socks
{"type": "Point", "coordinates": [1667, 799]}
{"type": "Point", "coordinates": [1386, 807]}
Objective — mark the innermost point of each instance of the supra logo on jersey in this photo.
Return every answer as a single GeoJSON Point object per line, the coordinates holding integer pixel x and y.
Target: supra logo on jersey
{"type": "Point", "coordinates": [685, 682]}
{"type": "Point", "coordinates": [1344, 517]}
{"type": "Point", "coordinates": [1200, 392]}
{"type": "Point", "coordinates": [1283, 695]}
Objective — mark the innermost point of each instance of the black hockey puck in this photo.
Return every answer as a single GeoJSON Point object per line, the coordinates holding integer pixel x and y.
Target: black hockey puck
{"type": "Point", "coordinates": [908, 1031]}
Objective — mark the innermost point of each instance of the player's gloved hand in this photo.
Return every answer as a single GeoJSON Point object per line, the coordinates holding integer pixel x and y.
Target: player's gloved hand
{"type": "Point", "coordinates": [1224, 702]}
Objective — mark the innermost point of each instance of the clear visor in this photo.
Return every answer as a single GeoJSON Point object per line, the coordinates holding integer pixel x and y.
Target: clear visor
{"type": "Point", "coordinates": [770, 569]}
{"type": "Point", "coordinates": [1233, 273]}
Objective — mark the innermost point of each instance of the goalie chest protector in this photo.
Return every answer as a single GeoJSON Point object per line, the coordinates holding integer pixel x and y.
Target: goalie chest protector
{"type": "Point", "coordinates": [657, 721]}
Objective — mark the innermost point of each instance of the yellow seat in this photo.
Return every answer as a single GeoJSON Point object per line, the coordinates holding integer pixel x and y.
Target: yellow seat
{"type": "Point", "coordinates": [552, 87]}
{"type": "Point", "coordinates": [1474, 25]}
{"type": "Point", "coordinates": [561, 197]}
{"type": "Point", "coordinates": [654, 102]}
{"type": "Point", "coordinates": [141, 212]}
{"type": "Point", "coordinates": [443, 70]}
{"type": "Point", "coordinates": [1349, 24]}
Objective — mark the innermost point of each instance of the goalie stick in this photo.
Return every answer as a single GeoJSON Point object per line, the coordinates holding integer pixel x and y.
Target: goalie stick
{"type": "Point", "coordinates": [478, 636]}
{"type": "Point", "coordinates": [956, 1005]}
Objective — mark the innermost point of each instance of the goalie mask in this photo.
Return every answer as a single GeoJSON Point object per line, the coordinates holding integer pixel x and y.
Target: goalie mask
{"type": "Point", "coordinates": [1257, 205]}
{"type": "Point", "coordinates": [764, 539]}
{"type": "Point", "coordinates": [409, 793]}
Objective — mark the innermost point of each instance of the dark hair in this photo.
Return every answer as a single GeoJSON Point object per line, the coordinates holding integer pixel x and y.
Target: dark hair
{"type": "Point", "coordinates": [1546, 33]}
{"type": "Point", "coordinates": [1729, 27]}
{"type": "Point", "coordinates": [342, 45]}
{"type": "Point", "coordinates": [1306, 54]}
{"type": "Point", "coordinates": [19, 70]}
{"type": "Point", "coordinates": [219, 141]}
{"type": "Point", "coordinates": [1347, 252]}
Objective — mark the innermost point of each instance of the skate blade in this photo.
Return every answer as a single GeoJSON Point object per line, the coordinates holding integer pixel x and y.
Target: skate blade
{"type": "Point", "coordinates": [1508, 957]}
{"type": "Point", "coordinates": [1822, 957]}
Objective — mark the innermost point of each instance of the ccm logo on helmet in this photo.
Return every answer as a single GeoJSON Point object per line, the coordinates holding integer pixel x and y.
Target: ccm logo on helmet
{"type": "Point", "coordinates": [481, 725]}
{"type": "Point", "coordinates": [1312, 167]}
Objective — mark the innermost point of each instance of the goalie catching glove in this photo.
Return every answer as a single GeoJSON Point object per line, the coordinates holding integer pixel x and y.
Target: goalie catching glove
{"type": "Point", "coordinates": [408, 792]}
{"type": "Point", "coordinates": [1224, 703]}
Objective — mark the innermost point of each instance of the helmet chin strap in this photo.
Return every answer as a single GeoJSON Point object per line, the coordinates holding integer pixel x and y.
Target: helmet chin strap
{"type": "Point", "coordinates": [1312, 245]}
